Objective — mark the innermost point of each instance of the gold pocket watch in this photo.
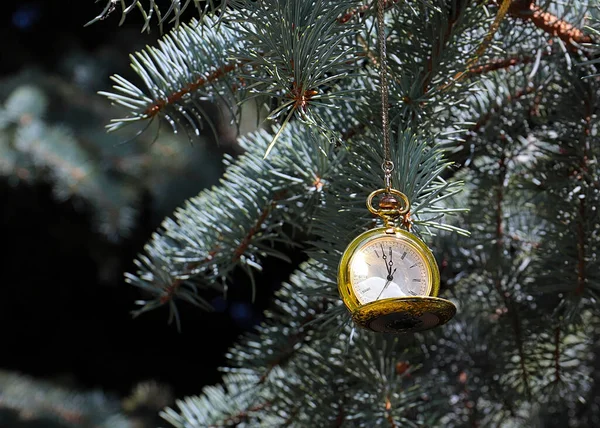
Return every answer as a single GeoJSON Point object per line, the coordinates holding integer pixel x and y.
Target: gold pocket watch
{"type": "Point", "coordinates": [388, 278]}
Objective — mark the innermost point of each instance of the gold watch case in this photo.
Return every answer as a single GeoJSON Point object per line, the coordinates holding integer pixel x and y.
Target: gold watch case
{"type": "Point", "coordinates": [409, 313]}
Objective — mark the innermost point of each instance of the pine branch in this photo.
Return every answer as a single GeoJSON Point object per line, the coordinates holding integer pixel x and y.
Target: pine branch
{"type": "Point", "coordinates": [582, 220]}
{"type": "Point", "coordinates": [570, 186]}
{"type": "Point", "coordinates": [255, 196]}
{"type": "Point", "coordinates": [295, 340]}
{"type": "Point", "coordinates": [557, 377]}
{"type": "Point", "coordinates": [515, 279]}
{"type": "Point", "coordinates": [294, 62]}
{"type": "Point", "coordinates": [504, 91]}
{"type": "Point", "coordinates": [159, 105]}
{"type": "Point", "coordinates": [491, 113]}
{"type": "Point", "coordinates": [190, 66]}
{"type": "Point", "coordinates": [265, 391]}
{"type": "Point", "coordinates": [498, 273]}
{"type": "Point", "coordinates": [243, 416]}
{"type": "Point", "coordinates": [558, 352]}
{"type": "Point", "coordinates": [233, 70]}
{"type": "Point", "coordinates": [529, 342]}
{"type": "Point", "coordinates": [171, 90]}
{"type": "Point", "coordinates": [303, 53]}
{"type": "Point", "coordinates": [38, 150]}
{"type": "Point", "coordinates": [496, 65]}
{"type": "Point", "coordinates": [431, 46]}
{"type": "Point", "coordinates": [440, 43]}
{"type": "Point", "coordinates": [171, 290]}
{"type": "Point", "coordinates": [172, 15]}
{"type": "Point", "coordinates": [273, 351]}
{"type": "Point", "coordinates": [499, 64]}
{"type": "Point", "coordinates": [527, 10]}
{"type": "Point", "coordinates": [512, 309]}
{"type": "Point", "coordinates": [222, 405]}
{"type": "Point", "coordinates": [42, 402]}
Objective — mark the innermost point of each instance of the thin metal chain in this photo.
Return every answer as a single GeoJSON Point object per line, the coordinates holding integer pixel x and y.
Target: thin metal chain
{"type": "Point", "coordinates": [387, 165]}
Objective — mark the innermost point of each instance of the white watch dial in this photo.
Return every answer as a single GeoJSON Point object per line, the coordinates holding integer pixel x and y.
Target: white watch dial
{"type": "Point", "coordinates": [388, 267]}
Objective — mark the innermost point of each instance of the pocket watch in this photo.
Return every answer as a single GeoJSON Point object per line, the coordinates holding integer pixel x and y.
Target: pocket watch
{"type": "Point", "coordinates": [388, 278]}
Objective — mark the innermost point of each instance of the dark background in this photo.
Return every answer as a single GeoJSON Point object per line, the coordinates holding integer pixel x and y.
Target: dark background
{"type": "Point", "coordinates": [58, 319]}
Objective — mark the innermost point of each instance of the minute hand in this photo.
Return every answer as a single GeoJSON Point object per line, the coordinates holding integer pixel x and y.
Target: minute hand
{"type": "Point", "coordinates": [390, 278]}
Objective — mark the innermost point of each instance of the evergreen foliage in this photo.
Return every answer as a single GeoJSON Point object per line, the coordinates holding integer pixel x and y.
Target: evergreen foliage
{"type": "Point", "coordinates": [45, 139]}
{"type": "Point", "coordinates": [25, 402]}
{"type": "Point", "coordinates": [29, 403]}
{"type": "Point", "coordinates": [519, 131]}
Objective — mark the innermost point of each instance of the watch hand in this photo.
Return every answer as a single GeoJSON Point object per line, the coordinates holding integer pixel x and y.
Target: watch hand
{"type": "Point", "coordinates": [388, 266]}
{"type": "Point", "coordinates": [388, 282]}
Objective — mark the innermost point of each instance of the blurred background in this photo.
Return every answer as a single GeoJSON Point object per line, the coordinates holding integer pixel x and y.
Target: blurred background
{"type": "Point", "coordinates": [77, 205]}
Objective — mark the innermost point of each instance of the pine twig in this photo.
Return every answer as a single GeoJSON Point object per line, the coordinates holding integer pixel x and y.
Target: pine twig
{"type": "Point", "coordinates": [159, 105]}
{"type": "Point", "coordinates": [389, 417]}
{"type": "Point", "coordinates": [243, 416]}
{"type": "Point", "coordinates": [482, 122]}
{"type": "Point", "coordinates": [551, 24]}
{"type": "Point", "coordinates": [245, 243]}
{"type": "Point", "coordinates": [439, 45]}
{"type": "Point", "coordinates": [506, 297]}
{"type": "Point", "coordinates": [293, 340]}
{"type": "Point", "coordinates": [352, 13]}
{"type": "Point", "coordinates": [557, 355]}
{"type": "Point", "coordinates": [501, 64]}
{"type": "Point", "coordinates": [341, 417]}
{"type": "Point", "coordinates": [171, 290]}
{"type": "Point", "coordinates": [360, 11]}
{"type": "Point", "coordinates": [581, 238]}
{"type": "Point", "coordinates": [581, 232]}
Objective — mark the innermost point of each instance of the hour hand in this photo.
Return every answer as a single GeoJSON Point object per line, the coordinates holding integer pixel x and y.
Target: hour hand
{"type": "Point", "coordinates": [388, 265]}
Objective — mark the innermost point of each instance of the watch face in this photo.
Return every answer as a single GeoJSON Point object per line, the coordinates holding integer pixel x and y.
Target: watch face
{"type": "Point", "coordinates": [389, 266]}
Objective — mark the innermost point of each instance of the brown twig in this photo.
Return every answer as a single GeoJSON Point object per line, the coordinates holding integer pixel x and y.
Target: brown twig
{"type": "Point", "coordinates": [499, 65]}
{"type": "Point", "coordinates": [557, 354]}
{"type": "Point", "coordinates": [171, 289]}
{"type": "Point", "coordinates": [581, 265]}
{"type": "Point", "coordinates": [353, 132]}
{"type": "Point", "coordinates": [340, 419]}
{"type": "Point", "coordinates": [527, 10]}
{"type": "Point", "coordinates": [360, 11]}
{"type": "Point", "coordinates": [240, 417]}
{"type": "Point", "coordinates": [388, 407]}
{"type": "Point", "coordinates": [245, 243]}
{"type": "Point", "coordinates": [159, 105]}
